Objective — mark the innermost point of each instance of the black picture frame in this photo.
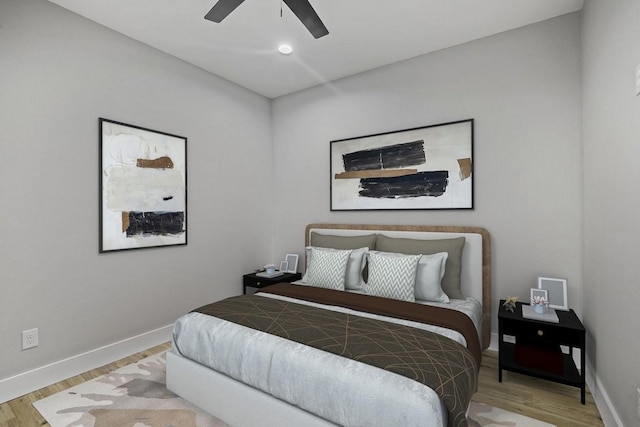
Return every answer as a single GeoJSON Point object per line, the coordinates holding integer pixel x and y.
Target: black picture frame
{"type": "Point", "coordinates": [429, 167]}
{"type": "Point", "coordinates": [143, 187]}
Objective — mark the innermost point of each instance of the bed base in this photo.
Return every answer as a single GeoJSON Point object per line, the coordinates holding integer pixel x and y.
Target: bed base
{"type": "Point", "coordinates": [240, 405]}
{"type": "Point", "coordinates": [233, 402]}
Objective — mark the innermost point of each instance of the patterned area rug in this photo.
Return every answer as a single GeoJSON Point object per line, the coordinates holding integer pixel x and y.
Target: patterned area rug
{"type": "Point", "coordinates": [136, 396]}
{"type": "Point", "coordinates": [481, 415]}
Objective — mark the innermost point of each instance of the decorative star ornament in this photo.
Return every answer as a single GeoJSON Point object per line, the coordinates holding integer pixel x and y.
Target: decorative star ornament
{"type": "Point", "coordinates": [510, 303]}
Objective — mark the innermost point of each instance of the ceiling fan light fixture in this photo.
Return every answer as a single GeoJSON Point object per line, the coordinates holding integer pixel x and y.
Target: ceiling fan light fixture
{"type": "Point", "coordinates": [301, 8]}
{"type": "Point", "coordinates": [285, 49]}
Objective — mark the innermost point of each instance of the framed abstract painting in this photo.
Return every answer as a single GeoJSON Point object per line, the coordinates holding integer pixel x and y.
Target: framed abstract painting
{"type": "Point", "coordinates": [430, 167]}
{"type": "Point", "coordinates": [143, 187]}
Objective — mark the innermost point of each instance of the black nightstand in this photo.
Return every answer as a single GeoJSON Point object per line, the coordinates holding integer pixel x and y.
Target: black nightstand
{"type": "Point", "coordinates": [534, 347]}
{"type": "Point", "coordinates": [255, 282]}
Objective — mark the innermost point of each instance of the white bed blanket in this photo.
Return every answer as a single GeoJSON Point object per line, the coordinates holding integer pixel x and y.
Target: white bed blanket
{"type": "Point", "coordinates": [338, 389]}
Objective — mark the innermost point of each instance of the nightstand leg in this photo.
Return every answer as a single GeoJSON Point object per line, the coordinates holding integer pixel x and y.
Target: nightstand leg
{"type": "Point", "coordinates": [500, 343]}
{"type": "Point", "coordinates": [583, 370]}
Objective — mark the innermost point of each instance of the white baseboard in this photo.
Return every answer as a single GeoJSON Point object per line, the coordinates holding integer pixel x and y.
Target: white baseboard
{"type": "Point", "coordinates": [35, 379]}
{"type": "Point", "coordinates": [609, 416]}
{"type": "Point", "coordinates": [493, 344]}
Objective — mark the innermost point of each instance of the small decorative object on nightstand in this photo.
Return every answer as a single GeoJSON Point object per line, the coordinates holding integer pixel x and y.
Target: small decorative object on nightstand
{"type": "Point", "coordinates": [510, 303]}
{"type": "Point", "coordinates": [252, 282]}
{"type": "Point", "coordinates": [539, 300]}
{"type": "Point", "coordinates": [534, 347]}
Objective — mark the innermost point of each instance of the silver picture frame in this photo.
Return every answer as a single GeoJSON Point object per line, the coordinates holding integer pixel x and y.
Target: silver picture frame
{"type": "Point", "coordinates": [292, 263]}
{"type": "Point", "coordinates": [556, 290]}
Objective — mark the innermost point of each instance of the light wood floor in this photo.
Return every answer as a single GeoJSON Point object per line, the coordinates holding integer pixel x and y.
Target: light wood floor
{"type": "Point", "coordinates": [543, 400]}
{"type": "Point", "coordinates": [546, 401]}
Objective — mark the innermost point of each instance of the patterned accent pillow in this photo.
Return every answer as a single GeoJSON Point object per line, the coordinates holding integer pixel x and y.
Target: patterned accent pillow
{"type": "Point", "coordinates": [431, 269]}
{"type": "Point", "coordinates": [355, 265]}
{"type": "Point", "coordinates": [392, 276]}
{"type": "Point", "coordinates": [454, 247]}
{"type": "Point", "coordinates": [327, 269]}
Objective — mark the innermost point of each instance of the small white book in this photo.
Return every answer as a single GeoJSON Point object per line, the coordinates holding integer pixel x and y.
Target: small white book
{"type": "Point", "coordinates": [549, 316]}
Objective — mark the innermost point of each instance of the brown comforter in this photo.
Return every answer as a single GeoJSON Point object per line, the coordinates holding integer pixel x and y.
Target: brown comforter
{"type": "Point", "coordinates": [442, 364]}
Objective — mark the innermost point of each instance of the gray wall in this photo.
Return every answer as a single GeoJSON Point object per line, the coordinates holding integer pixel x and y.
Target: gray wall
{"type": "Point", "coordinates": [611, 52]}
{"type": "Point", "coordinates": [522, 88]}
{"type": "Point", "coordinates": [59, 73]}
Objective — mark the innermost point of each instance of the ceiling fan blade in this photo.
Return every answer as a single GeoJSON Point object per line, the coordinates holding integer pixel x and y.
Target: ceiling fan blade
{"type": "Point", "coordinates": [222, 9]}
{"type": "Point", "coordinates": [308, 16]}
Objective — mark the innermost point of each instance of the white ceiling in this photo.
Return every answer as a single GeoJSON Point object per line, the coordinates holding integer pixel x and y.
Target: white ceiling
{"type": "Point", "coordinates": [363, 34]}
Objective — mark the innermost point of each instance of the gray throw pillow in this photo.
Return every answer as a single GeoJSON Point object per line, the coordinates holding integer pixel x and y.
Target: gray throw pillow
{"type": "Point", "coordinates": [342, 242]}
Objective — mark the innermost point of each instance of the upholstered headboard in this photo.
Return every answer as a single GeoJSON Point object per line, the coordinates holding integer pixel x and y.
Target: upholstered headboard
{"type": "Point", "coordinates": [476, 255]}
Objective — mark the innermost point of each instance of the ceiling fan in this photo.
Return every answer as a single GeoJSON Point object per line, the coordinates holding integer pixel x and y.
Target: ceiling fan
{"type": "Point", "coordinates": [301, 8]}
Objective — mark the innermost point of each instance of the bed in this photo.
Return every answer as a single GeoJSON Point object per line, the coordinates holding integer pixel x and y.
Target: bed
{"type": "Point", "coordinates": [269, 360]}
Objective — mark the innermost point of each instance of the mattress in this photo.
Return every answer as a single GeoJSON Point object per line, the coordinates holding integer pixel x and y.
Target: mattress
{"type": "Point", "coordinates": [340, 390]}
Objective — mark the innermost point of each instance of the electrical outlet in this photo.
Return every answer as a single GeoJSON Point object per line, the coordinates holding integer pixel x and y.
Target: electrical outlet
{"type": "Point", "coordinates": [29, 338]}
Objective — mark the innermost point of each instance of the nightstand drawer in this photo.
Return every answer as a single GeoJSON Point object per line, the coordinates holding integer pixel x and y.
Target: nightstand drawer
{"type": "Point", "coordinates": [252, 282]}
{"type": "Point", "coordinates": [256, 282]}
{"type": "Point", "coordinates": [537, 331]}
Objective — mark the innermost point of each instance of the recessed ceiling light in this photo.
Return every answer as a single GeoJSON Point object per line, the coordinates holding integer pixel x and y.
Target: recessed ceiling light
{"type": "Point", "coordinates": [285, 49]}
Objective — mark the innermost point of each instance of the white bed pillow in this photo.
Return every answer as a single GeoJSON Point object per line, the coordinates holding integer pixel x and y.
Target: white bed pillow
{"type": "Point", "coordinates": [327, 268]}
{"type": "Point", "coordinates": [355, 265]}
{"type": "Point", "coordinates": [392, 276]}
{"type": "Point", "coordinates": [431, 269]}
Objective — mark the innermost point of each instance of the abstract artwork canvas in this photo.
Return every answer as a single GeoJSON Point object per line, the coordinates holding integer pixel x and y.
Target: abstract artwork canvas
{"type": "Point", "coordinates": [143, 185]}
{"type": "Point", "coordinates": [429, 167]}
